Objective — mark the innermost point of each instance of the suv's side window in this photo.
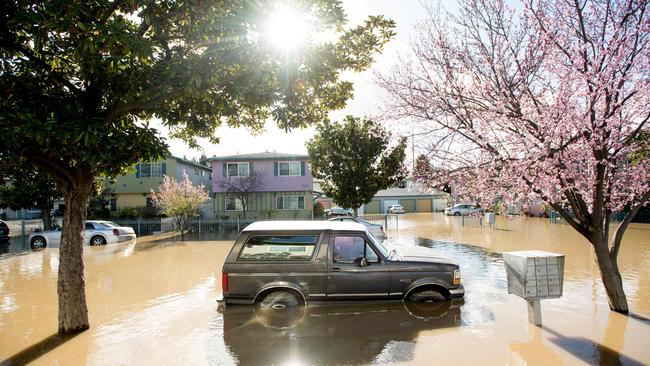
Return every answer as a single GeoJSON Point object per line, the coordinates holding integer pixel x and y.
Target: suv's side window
{"type": "Point", "coordinates": [279, 248]}
{"type": "Point", "coordinates": [89, 226]}
{"type": "Point", "coordinates": [348, 248]}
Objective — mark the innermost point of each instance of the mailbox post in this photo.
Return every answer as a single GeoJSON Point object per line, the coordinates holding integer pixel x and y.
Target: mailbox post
{"type": "Point", "coordinates": [490, 219]}
{"type": "Point", "coordinates": [534, 275]}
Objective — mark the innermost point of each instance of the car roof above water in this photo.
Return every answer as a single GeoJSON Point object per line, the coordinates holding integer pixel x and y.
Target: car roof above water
{"type": "Point", "coordinates": [304, 226]}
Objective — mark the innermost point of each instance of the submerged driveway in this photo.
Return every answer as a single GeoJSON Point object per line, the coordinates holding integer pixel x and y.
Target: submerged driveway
{"type": "Point", "coordinates": [154, 303]}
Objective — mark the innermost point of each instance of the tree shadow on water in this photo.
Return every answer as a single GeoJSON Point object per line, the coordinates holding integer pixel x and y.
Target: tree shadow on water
{"type": "Point", "coordinates": [591, 352]}
{"type": "Point", "coordinates": [36, 350]}
{"type": "Point", "coordinates": [640, 318]}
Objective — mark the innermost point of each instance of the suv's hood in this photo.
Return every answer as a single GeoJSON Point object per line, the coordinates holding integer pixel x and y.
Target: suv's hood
{"type": "Point", "coordinates": [411, 253]}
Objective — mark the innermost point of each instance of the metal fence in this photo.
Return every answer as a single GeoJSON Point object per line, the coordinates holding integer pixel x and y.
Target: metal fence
{"type": "Point", "coordinates": [199, 229]}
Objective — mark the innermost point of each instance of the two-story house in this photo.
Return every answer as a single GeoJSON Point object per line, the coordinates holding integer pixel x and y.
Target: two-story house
{"type": "Point", "coordinates": [134, 190]}
{"type": "Point", "coordinates": [274, 186]}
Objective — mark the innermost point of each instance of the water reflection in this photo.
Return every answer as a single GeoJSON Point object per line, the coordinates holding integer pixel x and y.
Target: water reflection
{"type": "Point", "coordinates": [153, 302]}
{"type": "Point", "coordinates": [483, 276]}
{"type": "Point", "coordinates": [332, 334]}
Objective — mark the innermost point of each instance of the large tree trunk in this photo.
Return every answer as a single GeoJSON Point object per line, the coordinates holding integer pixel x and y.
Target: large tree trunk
{"type": "Point", "coordinates": [73, 312]}
{"type": "Point", "coordinates": [611, 277]}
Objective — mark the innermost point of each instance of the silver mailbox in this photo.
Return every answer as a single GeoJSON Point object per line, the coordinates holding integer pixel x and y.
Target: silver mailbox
{"type": "Point", "coordinates": [534, 274]}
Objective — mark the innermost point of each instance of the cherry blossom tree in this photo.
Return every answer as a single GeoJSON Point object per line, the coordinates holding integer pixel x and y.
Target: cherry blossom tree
{"type": "Point", "coordinates": [545, 100]}
{"type": "Point", "coordinates": [180, 200]}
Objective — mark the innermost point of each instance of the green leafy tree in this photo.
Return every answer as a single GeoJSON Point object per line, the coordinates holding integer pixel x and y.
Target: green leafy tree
{"type": "Point", "coordinates": [423, 169]}
{"type": "Point", "coordinates": [25, 186]}
{"type": "Point", "coordinates": [100, 199]}
{"type": "Point", "coordinates": [354, 161]}
{"type": "Point", "coordinates": [79, 80]}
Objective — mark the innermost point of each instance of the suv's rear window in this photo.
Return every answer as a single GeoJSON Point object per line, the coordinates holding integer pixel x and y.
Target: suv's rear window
{"type": "Point", "coordinates": [279, 248]}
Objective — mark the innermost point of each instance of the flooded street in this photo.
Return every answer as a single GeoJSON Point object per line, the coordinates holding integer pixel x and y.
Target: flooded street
{"type": "Point", "coordinates": [155, 303]}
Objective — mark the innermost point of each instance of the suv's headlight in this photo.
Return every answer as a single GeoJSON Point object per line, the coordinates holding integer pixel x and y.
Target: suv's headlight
{"type": "Point", "coordinates": [456, 277]}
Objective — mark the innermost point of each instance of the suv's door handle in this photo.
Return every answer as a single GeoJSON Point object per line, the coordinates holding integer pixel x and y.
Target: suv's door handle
{"type": "Point", "coordinates": [336, 269]}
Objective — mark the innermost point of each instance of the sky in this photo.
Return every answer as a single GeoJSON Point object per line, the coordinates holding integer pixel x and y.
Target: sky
{"type": "Point", "coordinates": [367, 99]}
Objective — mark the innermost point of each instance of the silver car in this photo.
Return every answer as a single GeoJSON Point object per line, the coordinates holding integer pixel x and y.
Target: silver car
{"type": "Point", "coordinates": [463, 209]}
{"type": "Point", "coordinates": [95, 233]}
{"type": "Point", "coordinates": [376, 230]}
{"type": "Point", "coordinates": [395, 209]}
{"type": "Point", "coordinates": [280, 264]}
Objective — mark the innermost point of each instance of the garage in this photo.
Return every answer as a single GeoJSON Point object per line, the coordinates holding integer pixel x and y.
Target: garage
{"type": "Point", "coordinates": [374, 207]}
{"type": "Point", "coordinates": [425, 205]}
{"type": "Point", "coordinates": [409, 205]}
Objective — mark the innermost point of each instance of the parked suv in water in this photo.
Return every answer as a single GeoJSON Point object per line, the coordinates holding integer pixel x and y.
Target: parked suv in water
{"type": "Point", "coordinates": [288, 263]}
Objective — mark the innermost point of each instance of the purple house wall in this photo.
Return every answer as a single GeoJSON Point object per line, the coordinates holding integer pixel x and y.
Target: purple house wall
{"type": "Point", "coordinates": [265, 163]}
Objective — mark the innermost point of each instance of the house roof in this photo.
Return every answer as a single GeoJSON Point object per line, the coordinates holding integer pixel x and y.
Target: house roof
{"type": "Point", "coordinates": [189, 162]}
{"type": "Point", "coordinates": [304, 225]}
{"type": "Point", "coordinates": [411, 190]}
{"type": "Point", "coordinates": [261, 156]}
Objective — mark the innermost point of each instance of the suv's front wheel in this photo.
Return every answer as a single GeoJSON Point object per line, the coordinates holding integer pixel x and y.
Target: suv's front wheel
{"type": "Point", "coordinates": [426, 296]}
{"type": "Point", "coordinates": [280, 300]}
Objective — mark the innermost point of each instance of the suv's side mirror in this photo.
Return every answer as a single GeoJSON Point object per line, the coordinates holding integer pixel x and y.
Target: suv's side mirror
{"type": "Point", "coordinates": [362, 262]}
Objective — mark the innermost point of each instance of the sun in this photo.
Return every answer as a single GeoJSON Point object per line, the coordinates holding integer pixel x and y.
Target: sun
{"type": "Point", "coordinates": [287, 29]}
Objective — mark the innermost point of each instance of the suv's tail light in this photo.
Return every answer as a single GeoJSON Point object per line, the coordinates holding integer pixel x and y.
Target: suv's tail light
{"type": "Point", "coordinates": [456, 277]}
{"type": "Point", "coordinates": [224, 281]}
{"type": "Point", "coordinates": [116, 232]}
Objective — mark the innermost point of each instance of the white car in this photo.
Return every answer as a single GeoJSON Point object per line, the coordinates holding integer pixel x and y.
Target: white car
{"type": "Point", "coordinates": [395, 209]}
{"type": "Point", "coordinates": [376, 230]}
{"type": "Point", "coordinates": [96, 233]}
{"type": "Point", "coordinates": [463, 209]}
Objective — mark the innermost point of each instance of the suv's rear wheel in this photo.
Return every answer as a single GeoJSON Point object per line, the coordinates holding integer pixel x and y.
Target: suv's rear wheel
{"type": "Point", "coordinates": [280, 300]}
{"type": "Point", "coordinates": [426, 296]}
{"type": "Point", "coordinates": [38, 242]}
{"type": "Point", "coordinates": [456, 213]}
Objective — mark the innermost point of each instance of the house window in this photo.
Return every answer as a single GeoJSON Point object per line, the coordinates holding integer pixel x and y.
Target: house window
{"type": "Point", "coordinates": [113, 203]}
{"type": "Point", "coordinates": [151, 170]}
{"type": "Point", "coordinates": [149, 202]}
{"type": "Point", "coordinates": [233, 204]}
{"type": "Point", "coordinates": [237, 169]}
{"type": "Point", "coordinates": [289, 168]}
{"type": "Point", "coordinates": [290, 202]}
{"type": "Point", "coordinates": [196, 171]}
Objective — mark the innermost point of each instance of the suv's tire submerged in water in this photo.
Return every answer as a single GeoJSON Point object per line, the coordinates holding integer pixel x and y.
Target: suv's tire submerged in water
{"type": "Point", "coordinates": [280, 300]}
{"type": "Point", "coordinates": [426, 296]}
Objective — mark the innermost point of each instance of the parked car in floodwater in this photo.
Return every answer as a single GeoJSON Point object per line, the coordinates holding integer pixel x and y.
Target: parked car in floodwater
{"type": "Point", "coordinates": [395, 209]}
{"type": "Point", "coordinates": [281, 264]}
{"type": "Point", "coordinates": [463, 209]}
{"type": "Point", "coordinates": [338, 211]}
{"type": "Point", "coordinates": [96, 233]}
{"type": "Point", "coordinates": [4, 233]}
{"type": "Point", "coordinates": [376, 230]}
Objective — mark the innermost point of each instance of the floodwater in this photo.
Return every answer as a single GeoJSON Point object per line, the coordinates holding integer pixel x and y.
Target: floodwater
{"type": "Point", "coordinates": [155, 303]}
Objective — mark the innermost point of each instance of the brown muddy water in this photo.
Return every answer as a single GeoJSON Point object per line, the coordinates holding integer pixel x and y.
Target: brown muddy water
{"type": "Point", "coordinates": [154, 303]}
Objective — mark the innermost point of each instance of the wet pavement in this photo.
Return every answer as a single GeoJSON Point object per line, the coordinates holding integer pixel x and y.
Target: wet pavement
{"type": "Point", "coordinates": [153, 302]}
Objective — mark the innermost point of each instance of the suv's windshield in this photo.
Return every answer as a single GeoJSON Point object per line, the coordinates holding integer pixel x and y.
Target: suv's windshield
{"type": "Point", "coordinates": [379, 245]}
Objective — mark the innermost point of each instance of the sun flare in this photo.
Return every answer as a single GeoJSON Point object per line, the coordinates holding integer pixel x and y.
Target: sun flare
{"type": "Point", "coordinates": [288, 29]}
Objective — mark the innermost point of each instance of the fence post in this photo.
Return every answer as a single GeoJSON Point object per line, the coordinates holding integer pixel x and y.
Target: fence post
{"type": "Point", "coordinates": [139, 231]}
{"type": "Point", "coordinates": [386, 221]}
{"type": "Point", "coordinates": [22, 232]}
{"type": "Point", "coordinates": [462, 220]}
{"type": "Point", "coordinates": [199, 227]}
{"type": "Point", "coordinates": [238, 224]}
